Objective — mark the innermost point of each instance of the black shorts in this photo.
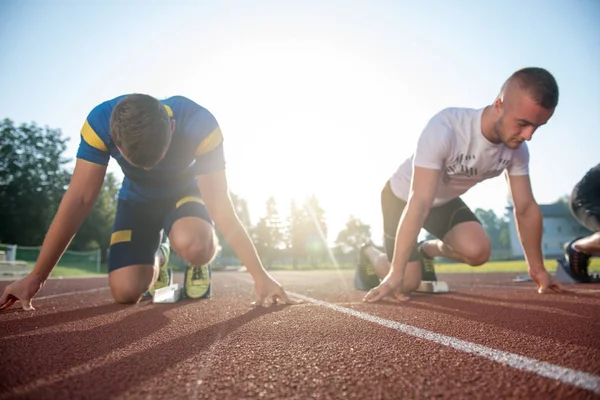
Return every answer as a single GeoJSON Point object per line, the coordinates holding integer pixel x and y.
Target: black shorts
{"type": "Point", "coordinates": [138, 225]}
{"type": "Point", "coordinates": [439, 221]}
{"type": "Point", "coordinates": [585, 200]}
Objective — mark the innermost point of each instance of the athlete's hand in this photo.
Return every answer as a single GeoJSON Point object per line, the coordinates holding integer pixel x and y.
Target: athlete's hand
{"type": "Point", "coordinates": [546, 283]}
{"type": "Point", "coordinates": [388, 287]}
{"type": "Point", "coordinates": [22, 290]}
{"type": "Point", "coordinates": [269, 291]}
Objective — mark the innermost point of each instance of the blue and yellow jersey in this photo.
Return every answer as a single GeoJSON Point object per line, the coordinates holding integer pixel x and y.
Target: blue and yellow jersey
{"type": "Point", "coordinates": [196, 148]}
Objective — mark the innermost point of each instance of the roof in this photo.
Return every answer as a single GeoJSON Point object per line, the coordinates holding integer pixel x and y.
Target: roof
{"type": "Point", "coordinates": [556, 210]}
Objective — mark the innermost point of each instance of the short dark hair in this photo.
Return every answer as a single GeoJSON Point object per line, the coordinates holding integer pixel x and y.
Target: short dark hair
{"type": "Point", "coordinates": [140, 126]}
{"type": "Point", "coordinates": [539, 84]}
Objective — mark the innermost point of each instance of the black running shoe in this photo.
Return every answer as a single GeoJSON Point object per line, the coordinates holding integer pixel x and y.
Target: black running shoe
{"type": "Point", "coordinates": [427, 265]}
{"type": "Point", "coordinates": [578, 262]}
{"type": "Point", "coordinates": [365, 277]}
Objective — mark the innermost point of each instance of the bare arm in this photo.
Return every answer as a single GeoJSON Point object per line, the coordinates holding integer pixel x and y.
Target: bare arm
{"type": "Point", "coordinates": [421, 196]}
{"type": "Point", "coordinates": [529, 227]}
{"type": "Point", "coordinates": [528, 218]}
{"type": "Point", "coordinates": [422, 193]}
{"type": "Point", "coordinates": [75, 206]}
{"type": "Point", "coordinates": [215, 194]}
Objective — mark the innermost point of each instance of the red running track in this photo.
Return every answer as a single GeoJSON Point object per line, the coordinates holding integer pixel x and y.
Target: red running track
{"type": "Point", "coordinates": [490, 338]}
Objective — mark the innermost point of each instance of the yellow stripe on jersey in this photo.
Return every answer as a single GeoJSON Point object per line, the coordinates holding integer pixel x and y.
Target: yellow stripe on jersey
{"type": "Point", "coordinates": [92, 138]}
{"type": "Point", "coordinates": [212, 140]}
{"type": "Point", "coordinates": [169, 111]}
{"type": "Point", "coordinates": [120, 236]}
{"type": "Point", "coordinates": [188, 200]}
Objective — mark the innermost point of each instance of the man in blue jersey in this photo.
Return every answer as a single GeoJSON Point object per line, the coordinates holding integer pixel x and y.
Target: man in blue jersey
{"type": "Point", "coordinates": [171, 154]}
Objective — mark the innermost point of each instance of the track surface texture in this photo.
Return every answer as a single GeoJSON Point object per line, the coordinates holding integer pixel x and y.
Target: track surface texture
{"type": "Point", "coordinates": [490, 338]}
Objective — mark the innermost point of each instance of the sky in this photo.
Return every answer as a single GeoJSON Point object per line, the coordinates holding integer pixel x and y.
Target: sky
{"type": "Point", "coordinates": [313, 97]}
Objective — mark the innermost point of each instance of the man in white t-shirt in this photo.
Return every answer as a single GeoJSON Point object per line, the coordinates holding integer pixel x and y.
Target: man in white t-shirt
{"type": "Point", "coordinates": [459, 148]}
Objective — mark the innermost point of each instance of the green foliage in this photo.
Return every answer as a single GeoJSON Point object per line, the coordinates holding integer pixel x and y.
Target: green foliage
{"type": "Point", "coordinates": [33, 180]}
{"type": "Point", "coordinates": [241, 208]}
{"type": "Point", "coordinates": [96, 229]}
{"type": "Point", "coordinates": [496, 228]}
{"type": "Point", "coordinates": [268, 234]}
{"type": "Point", "coordinates": [307, 232]}
{"type": "Point", "coordinates": [352, 237]}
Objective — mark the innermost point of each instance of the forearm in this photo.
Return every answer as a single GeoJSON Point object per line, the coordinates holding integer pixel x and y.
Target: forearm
{"type": "Point", "coordinates": [69, 217]}
{"type": "Point", "coordinates": [409, 227]}
{"type": "Point", "coordinates": [236, 235]}
{"type": "Point", "coordinates": [529, 228]}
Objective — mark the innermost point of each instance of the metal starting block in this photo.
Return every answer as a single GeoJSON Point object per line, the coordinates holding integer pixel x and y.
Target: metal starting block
{"type": "Point", "coordinates": [433, 287]}
{"type": "Point", "coordinates": [169, 294]}
{"type": "Point", "coordinates": [562, 274]}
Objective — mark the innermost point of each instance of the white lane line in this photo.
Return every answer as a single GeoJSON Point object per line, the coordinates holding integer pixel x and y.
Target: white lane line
{"type": "Point", "coordinates": [52, 296]}
{"type": "Point", "coordinates": [580, 379]}
{"type": "Point", "coordinates": [529, 288]}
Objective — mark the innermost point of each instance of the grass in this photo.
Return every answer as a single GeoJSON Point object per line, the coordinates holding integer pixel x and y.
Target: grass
{"type": "Point", "coordinates": [517, 267]}
{"type": "Point", "coordinates": [74, 271]}
{"type": "Point", "coordinates": [66, 270]}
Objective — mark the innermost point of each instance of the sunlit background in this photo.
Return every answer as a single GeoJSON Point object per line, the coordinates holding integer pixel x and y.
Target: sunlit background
{"type": "Point", "coordinates": [313, 97]}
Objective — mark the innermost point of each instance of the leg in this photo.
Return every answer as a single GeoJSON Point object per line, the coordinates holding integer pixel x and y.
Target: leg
{"type": "Point", "coordinates": [589, 244]}
{"type": "Point", "coordinates": [381, 265]}
{"type": "Point", "coordinates": [191, 231]}
{"type": "Point", "coordinates": [392, 209]}
{"type": "Point", "coordinates": [133, 265]}
{"type": "Point", "coordinates": [463, 237]}
{"type": "Point", "coordinates": [193, 238]}
{"type": "Point", "coordinates": [128, 284]}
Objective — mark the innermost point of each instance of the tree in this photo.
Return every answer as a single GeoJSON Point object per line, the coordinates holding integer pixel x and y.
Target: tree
{"type": "Point", "coordinates": [33, 180]}
{"type": "Point", "coordinates": [268, 234]}
{"type": "Point", "coordinates": [307, 232]}
{"type": "Point", "coordinates": [241, 208]}
{"type": "Point", "coordinates": [316, 229]}
{"type": "Point", "coordinates": [565, 201]}
{"type": "Point", "coordinates": [96, 229]}
{"type": "Point", "coordinates": [353, 236]}
{"type": "Point", "coordinates": [295, 237]}
{"type": "Point", "coordinates": [495, 227]}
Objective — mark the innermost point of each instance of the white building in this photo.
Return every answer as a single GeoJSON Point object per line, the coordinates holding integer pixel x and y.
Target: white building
{"type": "Point", "coordinates": [560, 227]}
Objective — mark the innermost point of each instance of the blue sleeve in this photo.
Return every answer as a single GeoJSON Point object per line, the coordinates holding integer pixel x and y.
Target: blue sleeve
{"type": "Point", "coordinates": [206, 134]}
{"type": "Point", "coordinates": [94, 137]}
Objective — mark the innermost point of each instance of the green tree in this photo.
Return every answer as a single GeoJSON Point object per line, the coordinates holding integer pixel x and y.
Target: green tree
{"type": "Point", "coordinates": [33, 180]}
{"type": "Point", "coordinates": [295, 235]}
{"type": "Point", "coordinates": [354, 235]}
{"type": "Point", "coordinates": [241, 208]}
{"type": "Point", "coordinates": [316, 229]}
{"type": "Point", "coordinates": [268, 234]}
{"type": "Point", "coordinates": [496, 227]}
{"type": "Point", "coordinates": [307, 232]}
{"type": "Point", "coordinates": [96, 229]}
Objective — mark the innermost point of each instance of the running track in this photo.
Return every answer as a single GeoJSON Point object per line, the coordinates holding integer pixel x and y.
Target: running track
{"type": "Point", "coordinates": [490, 338]}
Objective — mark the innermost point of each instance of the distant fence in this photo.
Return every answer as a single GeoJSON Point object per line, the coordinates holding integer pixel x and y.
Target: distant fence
{"type": "Point", "coordinates": [88, 260]}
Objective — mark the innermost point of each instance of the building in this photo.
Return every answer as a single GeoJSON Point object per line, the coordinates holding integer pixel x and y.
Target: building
{"type": "Point", "coordinates": [560, 227]}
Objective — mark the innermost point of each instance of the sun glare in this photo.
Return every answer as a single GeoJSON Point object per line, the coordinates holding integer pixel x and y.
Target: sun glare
{"type": "Point", "coordinates": [318, 106]}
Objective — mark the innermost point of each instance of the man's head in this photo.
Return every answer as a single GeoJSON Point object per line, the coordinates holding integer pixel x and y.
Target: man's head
{"type": "Point", "coordinates": [527, 101]}
{"type": "Point", "coordinates": [141, 129]}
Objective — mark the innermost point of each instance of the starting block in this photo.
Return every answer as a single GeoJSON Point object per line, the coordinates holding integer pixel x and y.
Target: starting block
{"type": "Point", "coordinates": [433, 287]}
{"type": "Point", "coordinates": [169, 294]}
{"type": "Point", "coordinates": [563, 276]}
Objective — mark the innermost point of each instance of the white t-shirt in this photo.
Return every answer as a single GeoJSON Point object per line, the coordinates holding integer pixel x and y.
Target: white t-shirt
{"type": "Point", "coordinates": [453, 142]}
